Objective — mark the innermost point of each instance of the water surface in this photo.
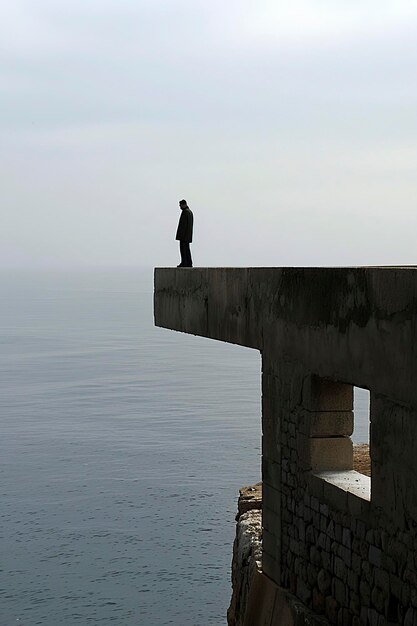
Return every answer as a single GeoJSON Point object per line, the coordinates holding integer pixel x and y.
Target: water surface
{"type": "Point", "coordinates": [123, 448]}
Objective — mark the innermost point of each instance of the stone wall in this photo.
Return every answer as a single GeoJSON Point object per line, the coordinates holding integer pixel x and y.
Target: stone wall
{"type": "Point", "coordinates": [343, 543]}
{"type": "Point", "coordinates": [323, 539]}
{"type": "Point", "coordinates": [256, 599]}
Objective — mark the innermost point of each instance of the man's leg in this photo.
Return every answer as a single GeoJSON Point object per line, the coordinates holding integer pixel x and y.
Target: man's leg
{"type": "Point", "coordinates": [183, 252]}
{"type": "Point", "coordinates": [189, 259]}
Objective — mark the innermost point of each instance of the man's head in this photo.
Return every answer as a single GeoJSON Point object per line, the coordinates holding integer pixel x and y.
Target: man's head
{"type": "Point", "coordinates": [183, 204]}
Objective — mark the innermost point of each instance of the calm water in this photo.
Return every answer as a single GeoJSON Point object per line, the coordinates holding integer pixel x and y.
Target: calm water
{"type": "Point", "coordinates": [123, 448]}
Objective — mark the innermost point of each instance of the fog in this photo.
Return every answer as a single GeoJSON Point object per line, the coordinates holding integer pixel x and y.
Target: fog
{"type": "Point", "coordinates": [289, 127]}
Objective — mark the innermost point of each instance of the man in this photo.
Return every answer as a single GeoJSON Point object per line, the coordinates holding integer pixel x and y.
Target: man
{"type": "Point", "coordinates": [185, 234]}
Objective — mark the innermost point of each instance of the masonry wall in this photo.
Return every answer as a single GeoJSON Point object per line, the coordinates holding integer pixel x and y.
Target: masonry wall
{"type": "Point", "coordinates": [344, 544]}
{"type": "Point", "coordinates": [325, 541]}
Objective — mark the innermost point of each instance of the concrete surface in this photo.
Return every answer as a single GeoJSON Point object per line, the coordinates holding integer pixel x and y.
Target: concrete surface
{"type": "Point", "coordinates": [341, 546]}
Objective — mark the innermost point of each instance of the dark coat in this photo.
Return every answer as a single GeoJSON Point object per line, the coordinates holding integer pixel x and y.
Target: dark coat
{"type": "Point", "coordinates": [185, 226]}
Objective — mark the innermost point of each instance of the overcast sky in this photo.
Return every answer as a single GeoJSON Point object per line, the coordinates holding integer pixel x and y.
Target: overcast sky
{"type": "Point", "coordinates": [289, 126]}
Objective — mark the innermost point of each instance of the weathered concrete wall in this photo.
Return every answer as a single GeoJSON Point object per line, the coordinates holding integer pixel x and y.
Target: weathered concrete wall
{"type": "Point", "coordinates": [344, 544]}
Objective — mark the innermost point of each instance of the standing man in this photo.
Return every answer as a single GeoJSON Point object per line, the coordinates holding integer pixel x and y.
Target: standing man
{"type": "Point", "coordinates": [185, 234]}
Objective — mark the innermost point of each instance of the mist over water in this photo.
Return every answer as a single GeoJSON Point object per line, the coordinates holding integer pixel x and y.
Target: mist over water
{"type": "Point", "coordinates": [123, 448]}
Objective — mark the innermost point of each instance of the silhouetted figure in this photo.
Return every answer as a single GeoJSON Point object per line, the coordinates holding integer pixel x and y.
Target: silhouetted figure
{"type": "Point", "coordinates": [185, 234]}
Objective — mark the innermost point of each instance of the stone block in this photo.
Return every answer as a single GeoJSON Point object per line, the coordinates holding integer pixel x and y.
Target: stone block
{"type": "Point", "coordinates": [344, 617]}
{"type": "Point", "coordinates": [356, 564]}
{"type": "Point", "coordinates": [330, 531]}
{"type": "Point", "coordinates": [303, 591]}
{"type": "Point", "coordinates": [311, 534]}
{"type": "Point", "coordinates": [311, 575]}
{"type": "Point", "coordinates": [355, 603]}
{"type": "Point", "coordinates": [331, 453]}
{"type": "Point", "coordinates": [315, 556]}
{"type": "Point", "coordinates": [327, 395]}
{"type": "Point", "coordinates": [364, 552]}
{"type": "Point", "coordinates": [315, 504]}
{"type": "Point", "coordinates": [326, 559]}
{"type": "Point", "coordinates": [323, 541]}
{"type": "Point", "coordinates": [324, 582]}
{"type": "Point", "coordinates": [347, 538]}
{"type": "Point", "coordinates": [370, 536]}
{"type": "Point", "coordinates": [373, 617]}
{"type": "Point", "coordinates": [340, 591]}
{"type": "Point", "coordinates": [332, 424]}
{"type": "Point", "coordinates": [346, 555]}
{"type": "Point", "coordinates": [324, 510]}
{"type": "Point", "coordinates": [378, 599]}
{"type": "Point", "coordinates": [338, 533]}
{"type": "Point", "coordinates": [367, 571]}
{"type": "Point", "coordinates": [365, 593]}
{"type": "Point", "coordinates": [364, 616]}
{"type": "Point", "coordinates": [353, 581]}
{"type": "Point", "coordinates": [360, 529]}
{"type": "Point", "coordinates": [295, 546]}
{"type": "Point", "coordinates": [307, 515]}
{"type": "Point", "coordinates": [411, 576]}
{"type": "Point", "coordinates": [381, 578]}
{"type": "Point", "coordinates": [318, 601]}
{"type": "Point", "coordinates": [332, 609]}
{"type": "Point", "coordinates": [375, 556]}
{"type": "Point", "coordinates": [301, 530]}
{"type": "Point", "coordinates": [410, 617]}
{"type": "Point", "coordinates": [396, 585]}
{"type": "Point", "coordinates": [340, 568]}
{"type": "Point", "coordinates": [413, 596]}
{"type": "Point", "coordinates": [405, 594]}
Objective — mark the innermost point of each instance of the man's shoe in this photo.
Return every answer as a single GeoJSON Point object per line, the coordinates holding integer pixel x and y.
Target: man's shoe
{"type": "Point", "coordinates": [181, 265]}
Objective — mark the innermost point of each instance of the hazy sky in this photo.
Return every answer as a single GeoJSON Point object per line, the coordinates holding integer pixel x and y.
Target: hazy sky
{"type": "Point", "coordinates": [289, 126]}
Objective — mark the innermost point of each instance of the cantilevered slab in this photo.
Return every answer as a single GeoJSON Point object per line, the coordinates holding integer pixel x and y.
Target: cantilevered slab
{"type": "Point", "coordinates": [355, 324]}
{"type": "Point", "coordinates": [321, 331]}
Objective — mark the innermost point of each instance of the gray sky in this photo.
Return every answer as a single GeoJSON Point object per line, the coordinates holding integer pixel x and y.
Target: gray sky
{"type": "Point", "coordinates": [289, 126]}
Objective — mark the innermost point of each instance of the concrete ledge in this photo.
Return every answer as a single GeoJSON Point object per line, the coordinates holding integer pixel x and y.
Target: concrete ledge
{"type": "Point", "coordinates": [352, 482]}
{"type": "Point", "coordinates": [347, 492]}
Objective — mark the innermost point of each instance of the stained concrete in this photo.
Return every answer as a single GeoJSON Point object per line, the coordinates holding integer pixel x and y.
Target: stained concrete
{"type": "Point", "coordinates": [321, 331]}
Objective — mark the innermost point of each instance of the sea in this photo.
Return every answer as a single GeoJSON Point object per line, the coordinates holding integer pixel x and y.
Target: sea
{"type": "Point", "coordinates": [123, 448]}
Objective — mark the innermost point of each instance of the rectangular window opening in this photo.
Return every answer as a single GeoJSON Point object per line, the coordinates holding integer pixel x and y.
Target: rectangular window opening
{"type": "Point", "coordinates": [339, 439]}
{"type": "Point", "coordinates": [361, 427]}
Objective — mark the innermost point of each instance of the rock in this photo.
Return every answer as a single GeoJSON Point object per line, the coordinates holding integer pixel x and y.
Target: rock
{"type": "Point", "coordinates": [250, 498]}
{"type": "Point", "coordinates": [247, 554]}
